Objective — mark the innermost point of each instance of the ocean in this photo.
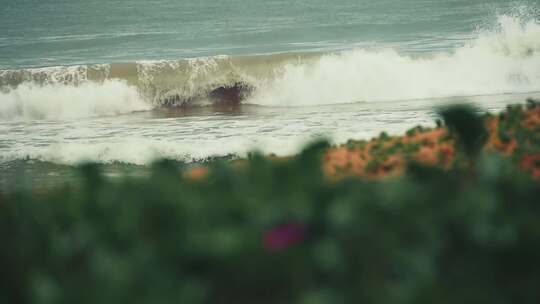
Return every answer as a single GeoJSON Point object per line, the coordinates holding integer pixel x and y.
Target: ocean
{"type": "Point", "coordinates": [126, 82]}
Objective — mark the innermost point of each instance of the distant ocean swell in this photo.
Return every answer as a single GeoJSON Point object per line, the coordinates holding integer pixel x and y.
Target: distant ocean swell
{"type": "Point", "coordinates": [505, 59]}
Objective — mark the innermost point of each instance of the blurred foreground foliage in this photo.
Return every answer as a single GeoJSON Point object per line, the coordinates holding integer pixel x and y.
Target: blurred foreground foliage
{"type": "Point", "coordinates": [280, 232]}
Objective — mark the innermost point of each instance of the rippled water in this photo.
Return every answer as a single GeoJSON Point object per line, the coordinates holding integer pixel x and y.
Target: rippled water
{"type": "Point", "coordinates": [59, 32]}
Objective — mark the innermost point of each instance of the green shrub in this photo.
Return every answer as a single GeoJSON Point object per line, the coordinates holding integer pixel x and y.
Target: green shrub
{"type": "Point", "coordinates": [277, 232]}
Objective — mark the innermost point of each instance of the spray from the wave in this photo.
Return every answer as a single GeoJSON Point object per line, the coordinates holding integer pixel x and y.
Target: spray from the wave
{"type": "Point", "coordinates": [56, 101]}
{"type": "Point", "coordinates": [504, 59]}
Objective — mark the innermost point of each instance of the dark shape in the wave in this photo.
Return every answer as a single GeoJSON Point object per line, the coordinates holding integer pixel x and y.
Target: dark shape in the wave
{"type": "Point", "coordinates": [222, 96]}
{"type": "Point", "coordinates": [230, 94]}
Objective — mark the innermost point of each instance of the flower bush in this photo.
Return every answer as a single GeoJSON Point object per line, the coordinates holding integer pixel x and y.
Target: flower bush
{"type": "Point", "coordinates": [282, 232]}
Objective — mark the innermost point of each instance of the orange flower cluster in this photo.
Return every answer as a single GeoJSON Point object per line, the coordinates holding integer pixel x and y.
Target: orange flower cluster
{"type": "Point", "coordinates": [384, 156]}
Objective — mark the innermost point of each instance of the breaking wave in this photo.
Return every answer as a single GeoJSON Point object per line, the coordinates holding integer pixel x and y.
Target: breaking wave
{"type": "Point", "coordinates": [505, 59]}
{"type": "Point", "coordinates": [56, 101]}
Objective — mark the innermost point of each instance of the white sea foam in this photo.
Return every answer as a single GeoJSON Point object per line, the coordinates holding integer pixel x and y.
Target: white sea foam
{"type": "Point", "coordinates": [58, 101]}
{"type": "Point", "coordinates": [503, 60]}
{"type": "Point", "coordinates": [143, 151]}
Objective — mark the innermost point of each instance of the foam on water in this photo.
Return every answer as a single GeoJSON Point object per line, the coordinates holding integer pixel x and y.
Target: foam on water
{"type": "Point", "coordinates": [505, 60]}
{"type": "Point", "coordinates": [138, 139]}
{"type": "Point", "coordinates": [143, 151]}
{"type": "Point", "coordinates": [60, 101]}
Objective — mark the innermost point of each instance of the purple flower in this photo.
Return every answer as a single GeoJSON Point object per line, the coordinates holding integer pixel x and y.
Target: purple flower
{"type": "Point", "coordinates": [283, 236]}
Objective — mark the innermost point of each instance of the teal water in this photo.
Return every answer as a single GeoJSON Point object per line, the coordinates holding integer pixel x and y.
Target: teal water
{"type": "Point", "coordinates": [124, 83]}
{"type": "Point", "coordinates": [65, 32]}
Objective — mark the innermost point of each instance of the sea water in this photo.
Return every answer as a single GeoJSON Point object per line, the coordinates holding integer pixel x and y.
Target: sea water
{"type": "Point", "coordinates": [131, 81]}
